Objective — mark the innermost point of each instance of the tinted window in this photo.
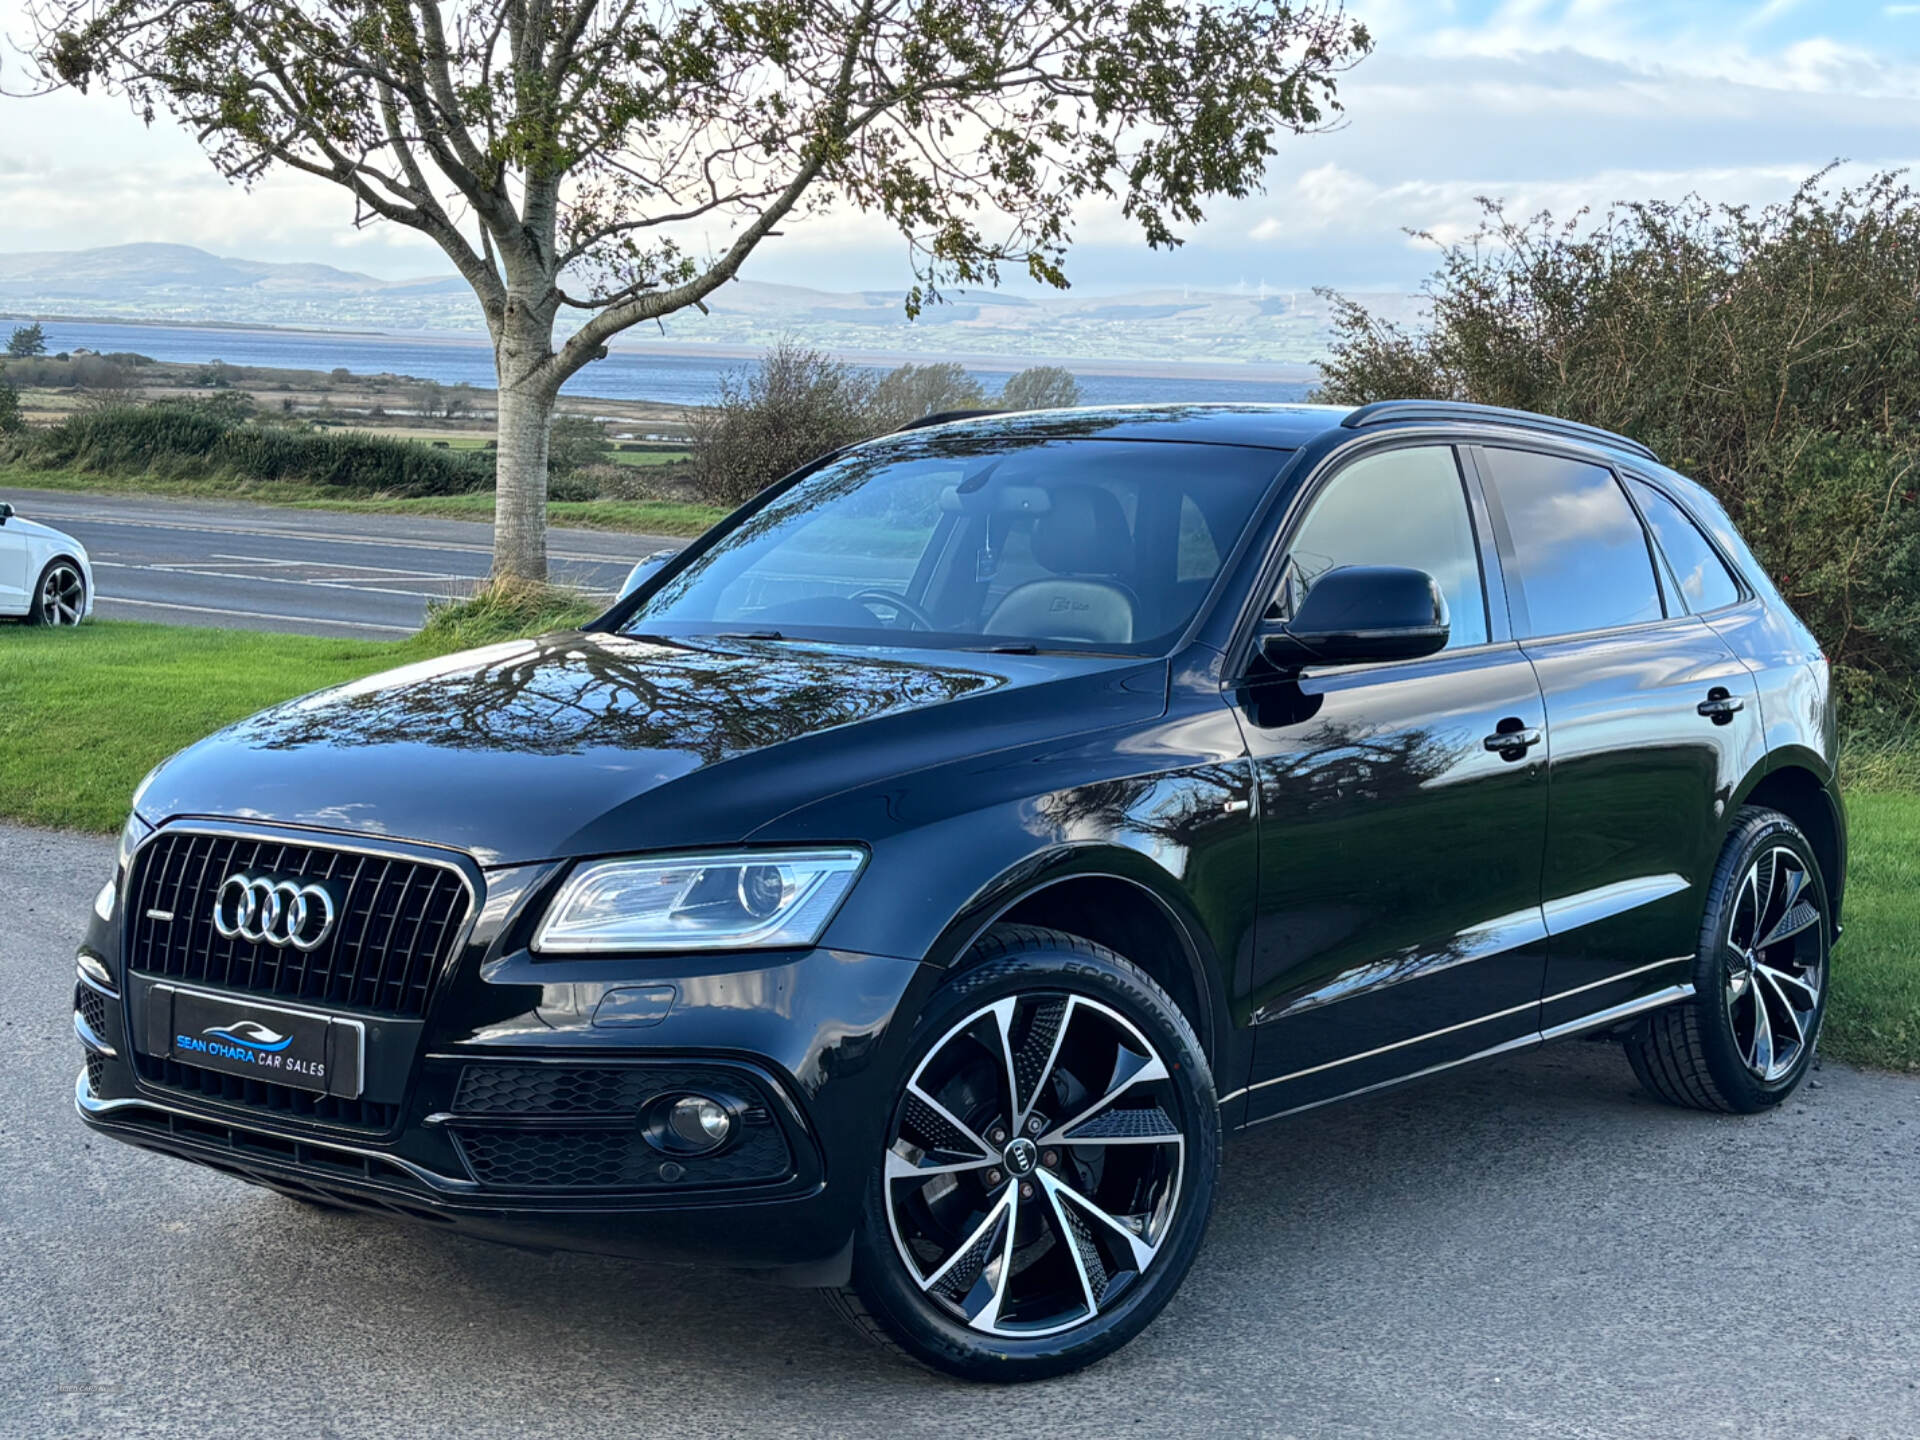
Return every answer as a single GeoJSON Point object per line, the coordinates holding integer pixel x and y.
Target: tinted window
{"type": "Point", "coordinates": [1073, 544]}
{"type": "Point", "coordinates": [1696, 564]}
{"type": "Point", "coordinates": [1582, 557]}
{"type": "Point", "coordinates": [1400, 507]}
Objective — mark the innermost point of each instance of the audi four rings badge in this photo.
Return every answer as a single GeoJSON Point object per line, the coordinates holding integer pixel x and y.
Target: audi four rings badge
{"type": "Point", "coordinates": [273, 912]}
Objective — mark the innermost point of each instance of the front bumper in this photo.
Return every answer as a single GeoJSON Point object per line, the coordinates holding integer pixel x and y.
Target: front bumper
{"type": "Point", "coordinates": [518, 1109]}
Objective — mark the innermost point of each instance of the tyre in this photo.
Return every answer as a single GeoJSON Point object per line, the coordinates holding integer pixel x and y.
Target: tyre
{"type": "Point", "coordinates": [1049, 1169]}
{"type": "Point", "coordinates": [1746, 1038]}
{"type": "Point", "coordinates": [60, 597]}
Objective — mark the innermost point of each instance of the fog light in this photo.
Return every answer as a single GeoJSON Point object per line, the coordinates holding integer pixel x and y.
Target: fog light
{"type": "Point", "coordinates": [696, 1123]}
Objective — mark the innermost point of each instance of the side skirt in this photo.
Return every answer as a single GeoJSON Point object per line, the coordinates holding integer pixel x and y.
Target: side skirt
{"type": "Point", "coordinates": [1599, 1020]}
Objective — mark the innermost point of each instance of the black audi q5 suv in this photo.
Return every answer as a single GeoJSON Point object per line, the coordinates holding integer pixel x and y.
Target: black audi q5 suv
{"type": "Point", "coordinates": [909, 884]}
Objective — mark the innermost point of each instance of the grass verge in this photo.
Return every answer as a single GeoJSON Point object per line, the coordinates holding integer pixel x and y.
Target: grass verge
{"type": "Point", "coordinates": [641, 517]}
{"type": "Point", "coordinates": [1873, 1014]}
{"type": "Point", "coordinates": [84, 714]}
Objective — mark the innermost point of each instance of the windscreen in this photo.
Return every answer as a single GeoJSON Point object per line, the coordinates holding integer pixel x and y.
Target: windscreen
{"type": "Point", "coordinates": [1077, 544]}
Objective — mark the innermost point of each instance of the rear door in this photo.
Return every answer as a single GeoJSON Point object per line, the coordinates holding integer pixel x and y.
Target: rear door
{"type": "Point", "coordinates": [1399, 905]}
{"type": "Point", "coordinates": [1651, 721]}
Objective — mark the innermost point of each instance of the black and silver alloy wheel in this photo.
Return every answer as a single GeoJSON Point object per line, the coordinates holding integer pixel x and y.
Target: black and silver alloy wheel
{"type": "Point", "coordinates": [1748, 1036]}
{"type": "Point", "coordinates": [1034, 1168]}
{"type": "Point", "coordinates": [1776, 964]}
{"type": "Point", "coordinates": [1048, 1169]}
{"type": "Point", "coordinates": [61, 596]}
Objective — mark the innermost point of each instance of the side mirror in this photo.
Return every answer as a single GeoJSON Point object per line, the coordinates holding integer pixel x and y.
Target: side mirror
{"type": "Point", "coordinates": [1360, 614]}
{"type": "Point", "coordinates": [6, 512]}
{"type": "Point", "coordinates": [645, 571]}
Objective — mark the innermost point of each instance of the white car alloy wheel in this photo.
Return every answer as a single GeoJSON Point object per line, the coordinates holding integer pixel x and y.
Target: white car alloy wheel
{"type": "Point", "coordinates": [61, 597]}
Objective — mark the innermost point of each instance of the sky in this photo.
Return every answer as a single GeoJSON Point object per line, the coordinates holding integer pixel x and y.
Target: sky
{"type": "Point", "coordinates": [1539, 103]}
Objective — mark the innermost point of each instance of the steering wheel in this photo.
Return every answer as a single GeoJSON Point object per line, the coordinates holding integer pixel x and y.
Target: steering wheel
{"type": "Point", "coordinates": [898, 603]}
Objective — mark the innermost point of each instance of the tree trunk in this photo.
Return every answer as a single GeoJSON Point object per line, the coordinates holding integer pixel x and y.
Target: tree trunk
{"type": "Point", "coordinates": [523, 346]}
{"type": "Point", "coordinates": [520, 487]}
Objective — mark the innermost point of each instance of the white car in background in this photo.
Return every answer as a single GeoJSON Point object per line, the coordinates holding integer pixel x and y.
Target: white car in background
{"type": "Point", "coordinates": [44, 574]}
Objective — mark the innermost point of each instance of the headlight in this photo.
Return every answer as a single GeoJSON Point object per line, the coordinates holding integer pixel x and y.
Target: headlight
{"type": "Point", "coordinates": [771, 899]}
{"type": "Point", "coordinates": [131, 834]}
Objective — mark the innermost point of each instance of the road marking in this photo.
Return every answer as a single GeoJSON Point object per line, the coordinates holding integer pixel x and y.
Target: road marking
{"type": "Point", "coordinates": [256, 614]}
{"type": "Point", "coordinates": [185, 570]}
{"type": "Point", "coordinates": [328, 537]}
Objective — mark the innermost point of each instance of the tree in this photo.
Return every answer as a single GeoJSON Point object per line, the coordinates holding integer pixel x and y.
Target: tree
{"type": "Point", "coordinates": [573, 155]}
{"type": "Point", "coordinates": [1040, 387]}
{"type": "Point", "coordinates": [914, 391]}
{"type": "Point", "coordinates": [27, 341]}
{"type": "Point", "coordinates": [10, 421]}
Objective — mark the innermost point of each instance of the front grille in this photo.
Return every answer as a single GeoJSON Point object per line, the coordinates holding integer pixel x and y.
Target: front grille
{"type": "Point", "coordinates": [398, 920]}
{"type": "Point", "coordinates": [275, 1099]}
{"type": "Point", "coordinates": [96, 1072]}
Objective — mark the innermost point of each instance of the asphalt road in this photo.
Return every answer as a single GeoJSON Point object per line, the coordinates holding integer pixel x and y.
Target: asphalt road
{"type": "Point", "coordinates": [260, 567]}
{"type": "Point", "coordinates": [1530, 1249]}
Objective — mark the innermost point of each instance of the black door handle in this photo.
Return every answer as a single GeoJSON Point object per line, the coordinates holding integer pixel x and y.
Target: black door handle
{"type": "Point", "coordinates": [1512, 744]}
{"type": "Point", "coordinates": [1720, 707]}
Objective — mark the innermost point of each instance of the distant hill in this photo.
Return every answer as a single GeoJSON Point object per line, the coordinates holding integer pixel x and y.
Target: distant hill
{"type": "Point", "coordinates": [183, 283]}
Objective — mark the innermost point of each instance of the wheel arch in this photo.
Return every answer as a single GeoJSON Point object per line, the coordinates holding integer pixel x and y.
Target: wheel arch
{"type": "Point", "coordinates": [1794, 785]}
{"type": "Point", "coordinates": [1116, 898]}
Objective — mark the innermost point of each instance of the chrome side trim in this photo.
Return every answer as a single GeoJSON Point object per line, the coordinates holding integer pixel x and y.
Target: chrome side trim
{"type": "Point", "coordinates": [87, 1103]}
{"type": "Point", "coordinates": [94, 971]}
{"type": "Point", "coordinates": [1570, 912]}
{"type": "Point", "coordinates": [86, 1036]}
{"type": "Point", "coordinates": [1505, 932]}
{"type": "Point", "coordinates": [1462, 1025]}
{"type": "Point", "coordinates": [1595, 1021]}
{"type": "Point", "coordinates": [97, 986]}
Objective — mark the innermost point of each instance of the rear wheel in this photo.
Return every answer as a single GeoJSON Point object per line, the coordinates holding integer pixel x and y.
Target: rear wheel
{"type": "Point", "coordinates": [1747, 1038]}
{"type": "Point", "coordinates": [60, 598]}
{"type": "Point", "coordinates": [1050, 1165]}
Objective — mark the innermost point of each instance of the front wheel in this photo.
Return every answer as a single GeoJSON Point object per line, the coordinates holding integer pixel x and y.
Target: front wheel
{"type": "Point", "coordinates": [61, 596]}
{"type": "Point", "coordinates": [1747, 1038]}
{"type": "Point", "coordinates": [1050, 1165]}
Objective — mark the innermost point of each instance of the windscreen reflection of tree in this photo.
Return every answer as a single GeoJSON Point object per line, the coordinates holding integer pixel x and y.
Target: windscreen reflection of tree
{"type": "Point", "coordinates": [618, 695]}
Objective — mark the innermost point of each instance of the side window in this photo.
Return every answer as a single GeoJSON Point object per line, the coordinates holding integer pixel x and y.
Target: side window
{"type": "Point", "coordinates": [1702, 574]}
{"type": "Point", "coordinates": [1580, 551]}
{"type": "Point", "coordinates": [1400, 507]}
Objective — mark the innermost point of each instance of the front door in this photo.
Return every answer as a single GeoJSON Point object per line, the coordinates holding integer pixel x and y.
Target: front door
{"type": "Point", "coordinates": [14, 579]}
{"type": "Point", "coordinates": [1399, 907]}
{"type": "Point", "coordinates": [1651, 720]}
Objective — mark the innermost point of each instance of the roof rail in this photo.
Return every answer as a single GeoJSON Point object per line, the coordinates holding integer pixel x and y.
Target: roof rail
{"type": "Point", "coordinates": [941, 417]}
{"type": "Point", "coordinates": [1382, 412]}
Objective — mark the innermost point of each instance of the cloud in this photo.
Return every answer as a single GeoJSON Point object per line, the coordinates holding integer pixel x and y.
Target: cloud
{"type": "Point", "coordinates": [1543, 103]}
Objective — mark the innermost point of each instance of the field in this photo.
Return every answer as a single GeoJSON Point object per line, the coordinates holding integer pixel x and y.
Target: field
{"type": "Point", "coordinates": [640, 517]}
{"type": "Point", "coordinates": [84, 714]}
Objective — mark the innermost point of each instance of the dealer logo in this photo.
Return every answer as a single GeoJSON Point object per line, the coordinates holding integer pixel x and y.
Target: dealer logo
{"type": "Point", "coordinates": [273, 912]}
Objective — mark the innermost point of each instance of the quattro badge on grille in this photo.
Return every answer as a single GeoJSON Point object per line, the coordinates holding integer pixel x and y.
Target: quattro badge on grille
{"type": "Point", "coordinates": [269, 911]}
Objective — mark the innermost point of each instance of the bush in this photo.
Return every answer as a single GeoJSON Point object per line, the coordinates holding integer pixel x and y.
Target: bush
{"type": "Point", "coordinates": [1040, 387]}
{"type": "Point", "coordinates": [11, 422]}
{"type": "Point", "coordinates": [204, 439]}
{"type": "Point", "coordinates": [793, 407]}
{"type": "Point", "coordinates": [1772, 355]}
{"type": "Point", "coordinates": [915, 391]}
{"type": "Point", "coordinates": [574, 441]}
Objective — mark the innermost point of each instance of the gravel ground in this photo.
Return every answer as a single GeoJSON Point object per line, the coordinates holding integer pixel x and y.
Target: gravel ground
{"type": "Point", "coordinates": [1531, 1248]}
